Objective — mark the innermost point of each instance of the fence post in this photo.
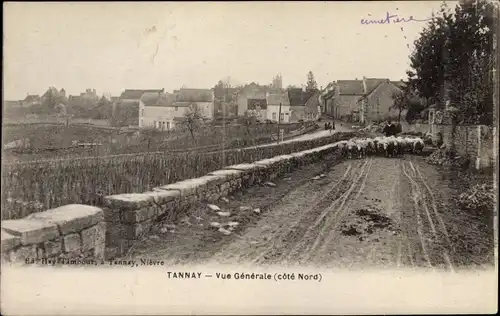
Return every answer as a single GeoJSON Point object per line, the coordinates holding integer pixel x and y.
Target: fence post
{"type": "Point", "coordinates": [478, 157]}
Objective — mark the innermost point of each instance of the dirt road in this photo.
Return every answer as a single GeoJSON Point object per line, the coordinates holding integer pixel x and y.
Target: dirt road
{"type": "Point", "coordinates": [374, 212]}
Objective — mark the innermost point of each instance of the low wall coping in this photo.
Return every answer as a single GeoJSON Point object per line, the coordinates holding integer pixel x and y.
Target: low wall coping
{"type": "Point", "coordinates": [128, 200]}
{"type": "Point", "coordinates": [30, 231]}
{"type": "Point", "coordinates": [71, 218]}
{"type": "Point", "coordinates": [9, 241]}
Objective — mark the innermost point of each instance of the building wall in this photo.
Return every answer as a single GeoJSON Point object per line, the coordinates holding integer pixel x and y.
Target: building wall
{"type": "Point", "coordinates": [345, 105]}
{"type": "Point", "coordinates": [151, 115]}
{"type": "Point", "coordinates": [248, 93]}
{"type": "Point", "coordinates": [206, 109]}
{"type": "Point", "coordinates": [285, 111]}
{"type": "Point", "coordinates": [379, 102]}
{"type": "Point", "coordinates": [330, 107]}
{"type": "Point", "coordinates": [297, 113]}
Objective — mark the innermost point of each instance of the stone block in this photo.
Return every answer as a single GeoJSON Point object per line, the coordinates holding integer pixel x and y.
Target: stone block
{"type": "Point", "coordinates": [190, 186]}
{"type": "Point", "coordinates": [93, 236]}
{"type": "Point", "coordinates": [112, 215]}
{"type": "Point", "coordinates": [72, 243]}
{"type": "Point", "coordinates": [227, 173]}
{"type": "Point", "coordinates": [139, 215]}
{"type": "Point", "coordinates": [161, 196]}
{"type": "Point", "coordinates": [130, 201]}
{"type": "Point", "coordinates": [53, 247]}
{"type": "Point", "coordinates": [71, 218]}
{"type": "Point", "coordinates": [117, 232]}
{"type": "Point", "coordinates": [9, 241]}
{"type": "Point", "coordinates": [30, 231]}
{"type": "Point", "coordinates": [40, 251]}
{"type": "Point", "coordinates": [100, 251]}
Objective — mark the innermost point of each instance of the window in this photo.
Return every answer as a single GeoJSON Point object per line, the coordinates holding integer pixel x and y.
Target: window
{"type": "Point", "coordinates": [282, 117]}
{"type": "Point", "coordinates": [163, 125]}
{"type": "Point", "coordinates": [142, 112]}
{"type": "Point", "coordinates": [274, 115]}
{"type": "Point", "coordinates": [168, 125]}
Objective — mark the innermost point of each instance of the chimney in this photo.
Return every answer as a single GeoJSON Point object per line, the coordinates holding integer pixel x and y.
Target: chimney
{"type": "Point", "coordinates": [365, 90]}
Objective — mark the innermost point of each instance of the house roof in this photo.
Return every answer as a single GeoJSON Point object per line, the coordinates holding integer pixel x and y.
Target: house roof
{"type": "Point", "coordinates": [32, 97]}
{"type": "Point", "coordinates": [298, 97]}
{"type": "Point", "coordinates": [127, 102]}
{"type": "Point", "coordinates": [373, 83]}
{"type": "Point", "coordinates": [75, 98]}
{"type": "Point", "coordinates": [157, 99]}
{"type": "Point", "coordinates": [182, 103]}
{"type": "Point", "coordinates": [229, 92]}
{"type": "Point", "coordinates": [313, 102]}
{"type": "Point", "coordinates": [253, 103]}
{"type": "Point", "coordinates": [350, 87]}
{"type": "Point", "coordinates": [135, 94]}
{"type": "Point", "coordinates": [193, 95]}
{"type": "Point", "coordinates": [277, 98]}
{"type": "Point", "coordinates": [9, 103]}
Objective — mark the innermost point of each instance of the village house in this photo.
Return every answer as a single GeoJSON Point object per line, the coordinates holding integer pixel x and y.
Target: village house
{"type": "Point", "coordinates": [298, 99]}
{"type": "Point", "coordinates": [126, 107]}
{"type": "Point", "coordinates": [346, 99]}
{"type": "Point", "coordinates": [274, 100]}
{"type": "Point", "coordinates": [31, 99]}
{"type": "Point", "coordinates": [251, 101]}
{"type": "Point", "coordinates": [165, 111]}
{"type": "Point", "coordinates": [312, 109]}
{"type": "Point", "coordinates": [201, 99]}
{"type": "Point", "coordinates": [378, 101]}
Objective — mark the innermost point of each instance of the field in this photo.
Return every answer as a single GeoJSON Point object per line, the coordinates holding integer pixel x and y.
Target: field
{"type": "Point", "coordinates": [50, 141]}
{"type": "Point", "coordinates": [36, 186]}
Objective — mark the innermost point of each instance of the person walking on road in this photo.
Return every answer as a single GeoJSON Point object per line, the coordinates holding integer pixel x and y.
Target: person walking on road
{"type": "Point", "coordinates": [387, 129]}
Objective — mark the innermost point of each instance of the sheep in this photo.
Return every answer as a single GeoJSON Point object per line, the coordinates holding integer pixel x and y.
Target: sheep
{"type": "Point", "coordinates": [386, 146]}
{"type": "Point", "coordinates": [418, 146]}
{"type": "Point", "coordinates": [351, 149]}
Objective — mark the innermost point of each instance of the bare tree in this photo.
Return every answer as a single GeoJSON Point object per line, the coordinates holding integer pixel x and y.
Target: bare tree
{"type": "Point", "coordinates": [193, 119]}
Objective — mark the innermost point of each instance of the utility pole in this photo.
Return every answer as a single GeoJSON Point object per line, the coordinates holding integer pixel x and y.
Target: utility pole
{"type": "Point", "coordinates": [224, 128]}
{"type": "Point", "coordinates": [279, 122]}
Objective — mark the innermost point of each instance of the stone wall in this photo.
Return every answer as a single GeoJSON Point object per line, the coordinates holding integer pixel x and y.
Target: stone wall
{"type": "Point", "coordinates": [130, 216]}
{"type": "Point", "coordinates": [70, 232]}
{"type": "Point", "coordinates": [80, 231]}
{"type": "Point", "coordinates": [473, 141]}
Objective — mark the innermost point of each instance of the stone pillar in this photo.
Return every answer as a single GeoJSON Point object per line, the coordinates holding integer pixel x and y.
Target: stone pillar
{"type": "Point", "coordinates": [448, 119]}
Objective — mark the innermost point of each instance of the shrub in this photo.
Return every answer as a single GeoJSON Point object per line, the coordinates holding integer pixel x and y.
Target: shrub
{"type": "Point", "coordinates": [478, 198]}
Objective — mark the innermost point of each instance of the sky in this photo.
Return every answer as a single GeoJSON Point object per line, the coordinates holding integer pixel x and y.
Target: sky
{"type": "Point", "coordinates": [145, 45]}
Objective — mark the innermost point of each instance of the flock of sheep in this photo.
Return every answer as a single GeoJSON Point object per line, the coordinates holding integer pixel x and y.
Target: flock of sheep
{"type": "Point", "coordinates": [383, 146]}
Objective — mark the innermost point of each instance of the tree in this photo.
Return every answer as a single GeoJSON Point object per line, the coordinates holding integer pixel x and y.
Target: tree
{"type": "Point", "coordinates": [455, 50]}
{"type": "Point", "coordinates": [408, 100]}
{"type": "Point", "coordinates": [311, 82]}
{"type": "Point", "coordinates": [193, 119]}
{"type": "Point", "coordinates": [102, 110]}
